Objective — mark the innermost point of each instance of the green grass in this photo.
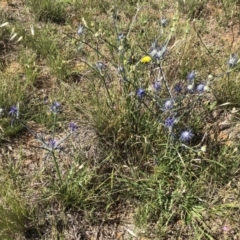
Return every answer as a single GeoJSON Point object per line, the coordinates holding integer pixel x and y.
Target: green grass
{"type": "Point", "coordinates": [123, 160]}
{"type": "Point", "coordinates": [13, 209]}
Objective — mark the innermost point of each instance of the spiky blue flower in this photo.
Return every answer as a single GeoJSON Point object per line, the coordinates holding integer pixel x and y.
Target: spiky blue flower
{"type": "Point", "coordinates": [52, 144]}
{"type": "Point", "coordinates": [141, 93]}
{"type": "Point", "coordinates": [55, 107]}
{"type": "Point", "coordinates": [121, 36]}
{"type": "Point", "coordinates": [73, 127]}
{"type": "Point", "coordinates": [169, 122]}
{"type": "Point", "coordinates": [232, 61]}
{"type": "Point", "coordinates": [156, 86]}
{"type": "Point", "coordinates": [200, 88]}
{"type": "Point", "coordinates": [186, 136]}
{"type": "Point", "coordinates": [191, 76]}
{"type": "Point", "coordinates": [14, 111]}
{"type": "Point", "coordinates": [168, 104]}
{"type": "Point", "coordinates": [178, 88]}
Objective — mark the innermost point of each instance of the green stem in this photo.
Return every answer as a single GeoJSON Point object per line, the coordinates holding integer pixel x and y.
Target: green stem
{"type": "Point", "coordinates": [57, 168]}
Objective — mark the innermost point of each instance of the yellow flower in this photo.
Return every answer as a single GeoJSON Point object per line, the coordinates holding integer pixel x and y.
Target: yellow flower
{"type": "Point", "coordinates": [145, 59]}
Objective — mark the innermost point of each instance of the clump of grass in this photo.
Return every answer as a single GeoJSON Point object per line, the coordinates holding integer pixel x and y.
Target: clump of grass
{"type": "Point", "coordinates": [193, 8]}
{"type": "Point", "coordinates": [13, 209]}
{"type": "Point", "coordinates": [49, 11]}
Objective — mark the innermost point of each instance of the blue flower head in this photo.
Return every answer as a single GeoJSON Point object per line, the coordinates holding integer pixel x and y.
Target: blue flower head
{"type": "Point", "coordinates": [55, 107]}
{"type": "Point", "coordinates": [73, 127]}
{"type": "Point", "coordinates": [168, 104]}
{"type": "Point", "coordinates": [169, 122]}
{"type": "Point", "coordinates": [52, 144]}
{"type": "Point", "coordinates": [156, 86]}
{"type": "Point", "coordinates": [191, 76]}
{"type": "Point", "coordinates": [14, 111]}
{"type": "Point", "coordinates": [186, 136]}
{"type": "Point", "coordinates": [141, 93]}
{"type": "Point", "coordinates": [178, 88]}
{"type": "Point", "coordinates": [200, 88]}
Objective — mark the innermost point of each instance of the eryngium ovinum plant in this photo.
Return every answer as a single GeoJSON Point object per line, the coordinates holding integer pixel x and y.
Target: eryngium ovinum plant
{"type": "Point", "coordinates": [139, 111]}
{"type": "Point", "coordinates": [51, 146]}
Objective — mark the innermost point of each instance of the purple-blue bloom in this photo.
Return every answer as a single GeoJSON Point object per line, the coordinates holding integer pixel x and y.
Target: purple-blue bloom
{"type": "Point", "coordinates": [200, 88]}
{"type": "Point", "coordinates": [169, 122]}
{"type": "Point", "coordinates": [191, 76]}
{"type": "Point", "coordinates": [14, 111]}
{"type": "Point", "coordinates": [52, 144]}
{"type": "Point", "coordinates": [186, 136]}
{"type": "Point", "coordinates": [55, 107]}
{"type": "Point", "coordinates": [73, 127]}
{"type": "Point", "coordinates": [178, 88]}
{"type": "Point", "coordinates": [141, 93]}
{"type": "Point", "coordinates": [168, 104]}
{"type": "Point", "coordinates": [156, 86]}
